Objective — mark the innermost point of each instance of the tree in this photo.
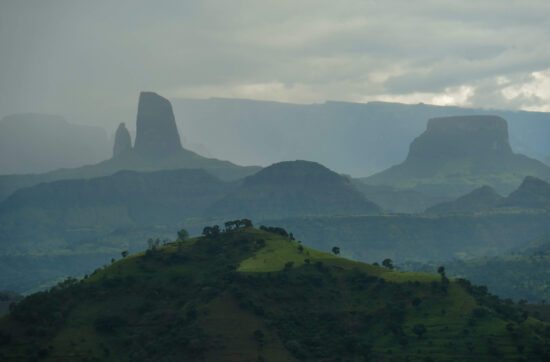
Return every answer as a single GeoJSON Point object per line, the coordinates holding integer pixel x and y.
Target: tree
{"type": "Point", "coordinates": [183, 234]}
{"type": "Point", "coordinates": [441, 270]}
{"type": "Point", "coordinates": [336, 250]}
{"type": "Point", "coordinates": [419, 330]}
{"type": "Point", "coordinates": [124, 253]}
{"type": "Point", "coordinates": [388, 263]}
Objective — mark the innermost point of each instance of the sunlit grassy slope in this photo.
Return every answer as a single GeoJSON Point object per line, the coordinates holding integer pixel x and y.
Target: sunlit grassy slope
{"type": "Point", "coordinates": [250, 295]}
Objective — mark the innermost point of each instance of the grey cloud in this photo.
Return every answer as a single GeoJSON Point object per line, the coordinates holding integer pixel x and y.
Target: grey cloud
{"type": "Point", "coordinates": [89, 60]}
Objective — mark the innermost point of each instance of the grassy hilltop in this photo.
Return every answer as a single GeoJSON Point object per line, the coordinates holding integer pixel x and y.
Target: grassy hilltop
{"type": "Point", "coordinates": [254, 295]}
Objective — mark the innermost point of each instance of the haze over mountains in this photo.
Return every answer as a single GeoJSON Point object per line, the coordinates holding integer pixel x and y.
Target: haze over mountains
{"type": "Point", "coordinates": [34, 143]}
{"type": "Point", "coordinates": [157, 148]}
{"type": "Point", "coordinates": [359, 139]}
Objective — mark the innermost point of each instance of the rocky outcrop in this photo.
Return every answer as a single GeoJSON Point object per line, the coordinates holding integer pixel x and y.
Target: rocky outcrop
{"type": "Point", "coordinates": [123, 142]}
{"type": "Point", "coordinates": [460, 137]}
{"type": "Point", "coordinates": [156, 132]}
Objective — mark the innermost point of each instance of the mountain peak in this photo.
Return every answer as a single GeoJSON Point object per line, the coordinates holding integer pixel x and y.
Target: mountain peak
{"type": "Point", "coordinates": [156, 131]}
{"type": "Point", "coordinates": [123, 141]}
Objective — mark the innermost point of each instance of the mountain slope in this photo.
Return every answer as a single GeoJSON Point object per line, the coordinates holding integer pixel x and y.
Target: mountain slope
{"type": "Point", "coordinates": [239, 296]}
{"type": "Point", "coordinates": [458, 154]}
{"type": "Point", "coordinates": [533, 193]}
{"type": "Point", "coordinates": [291, 189]}
{"type": "Point", "coordinates": [34, 215]}
{"type": "Point", "coordinates": [481, 199]}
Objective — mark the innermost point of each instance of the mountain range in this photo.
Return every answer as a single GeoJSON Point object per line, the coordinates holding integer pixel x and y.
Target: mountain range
{"type": "Point", "coordinates": [358, 139]}
{"type": "Point", "coordinates": [157, 147]}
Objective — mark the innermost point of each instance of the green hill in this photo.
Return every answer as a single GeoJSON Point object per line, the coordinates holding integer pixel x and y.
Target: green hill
{"type": "Point", "coordinates": [455, 155]}
{"type": "Point", "coordinates": [249, 295]}
{"type": "Point", "coordinates": [293, 188]}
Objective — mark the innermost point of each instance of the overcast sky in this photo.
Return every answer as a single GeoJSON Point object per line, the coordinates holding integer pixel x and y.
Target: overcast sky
{"type": "Point", "coordinates": [88, 60]}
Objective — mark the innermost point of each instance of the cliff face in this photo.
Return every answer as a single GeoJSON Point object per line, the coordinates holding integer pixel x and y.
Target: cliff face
{"type": "Point", "coordinates": [156, 132]}
{"type": "Point", "coordinates": [123, 142]}
{"type": "Point", "coordinates": [462, 137]}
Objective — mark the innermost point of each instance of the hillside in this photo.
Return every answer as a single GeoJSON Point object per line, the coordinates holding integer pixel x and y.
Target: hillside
{"type": "Point", "coordinates": [68, 226]}
{"type": "Point", "coordinates": [455, 155]}
{"type": "Point", "coordinates": [359, 139]}
{"type": "Point", "coordinates": [249, 295]}
{"type": "Point", "coordinates": [521, 274]}
{"type": "Point", "coordinates": [157, 147]}
{"type": "Point", "coordinates": [296, 188]}
{"type": "Point", "coordinates": [482, 199]}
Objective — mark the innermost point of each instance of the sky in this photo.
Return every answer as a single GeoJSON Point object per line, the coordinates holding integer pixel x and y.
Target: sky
{"type": "Point", "coordinates": [88, 60]}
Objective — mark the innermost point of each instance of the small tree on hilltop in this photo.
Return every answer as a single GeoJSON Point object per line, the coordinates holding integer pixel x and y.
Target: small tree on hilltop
{"type": "Point", "coordinates": [183, 234]}
{"type": "Point", "coordinates": [388, 263]}
{"type": "Point", "coordinates": [124, 253]}
{"type": "Point", "coordinates": [336, 250]}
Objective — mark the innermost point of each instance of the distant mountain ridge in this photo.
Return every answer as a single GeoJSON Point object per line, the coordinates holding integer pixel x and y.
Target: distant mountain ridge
{"type": "Point", "coordinates": [533, 193]}
{"type": "Point", "coordinates": [458, 154]}
{"type": "Point", "coordinates": [157, 147]}
{"type": "Point", "coordinates": [359, 139]}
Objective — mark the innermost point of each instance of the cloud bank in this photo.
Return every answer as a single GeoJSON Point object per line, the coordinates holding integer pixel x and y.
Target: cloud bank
{"type": "Point", "coordinates": [89, 60]}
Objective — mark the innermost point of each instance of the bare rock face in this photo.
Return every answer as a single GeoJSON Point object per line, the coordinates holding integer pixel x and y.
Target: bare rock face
{"type": "Point", "coordinates": [462, 137]}
{"type": "Point", "coordinates": [123, 142]}
{"type": "Point", "coordinates": [156, 132]}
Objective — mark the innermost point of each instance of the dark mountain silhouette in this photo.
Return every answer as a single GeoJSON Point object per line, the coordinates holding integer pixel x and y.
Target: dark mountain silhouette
{"type": "Point", "coordinates": [32, 143]}
{"type": "Point", "coordinates": [533, 193]}
{"type": "Point", "coordinates": [481, 199]}
{"type": "Point", "coordinates": [458, 154]}
{"type": "Point", "coordinates": [291, 189]}
{"type": "Point", "coordinates": [157, 147]}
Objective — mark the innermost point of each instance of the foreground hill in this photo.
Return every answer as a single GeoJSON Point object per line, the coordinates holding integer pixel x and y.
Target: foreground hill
{"type": "Point", "coordinates": [458, 154]}
{"type": "Point", "coordinates": [32, 143]}
{"type": "Point", "coordinates": [249, 295]}
{"type": "Point", "coordinates": [157, 147]}
{"type": "Point", "coordinates": [291, 189]}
